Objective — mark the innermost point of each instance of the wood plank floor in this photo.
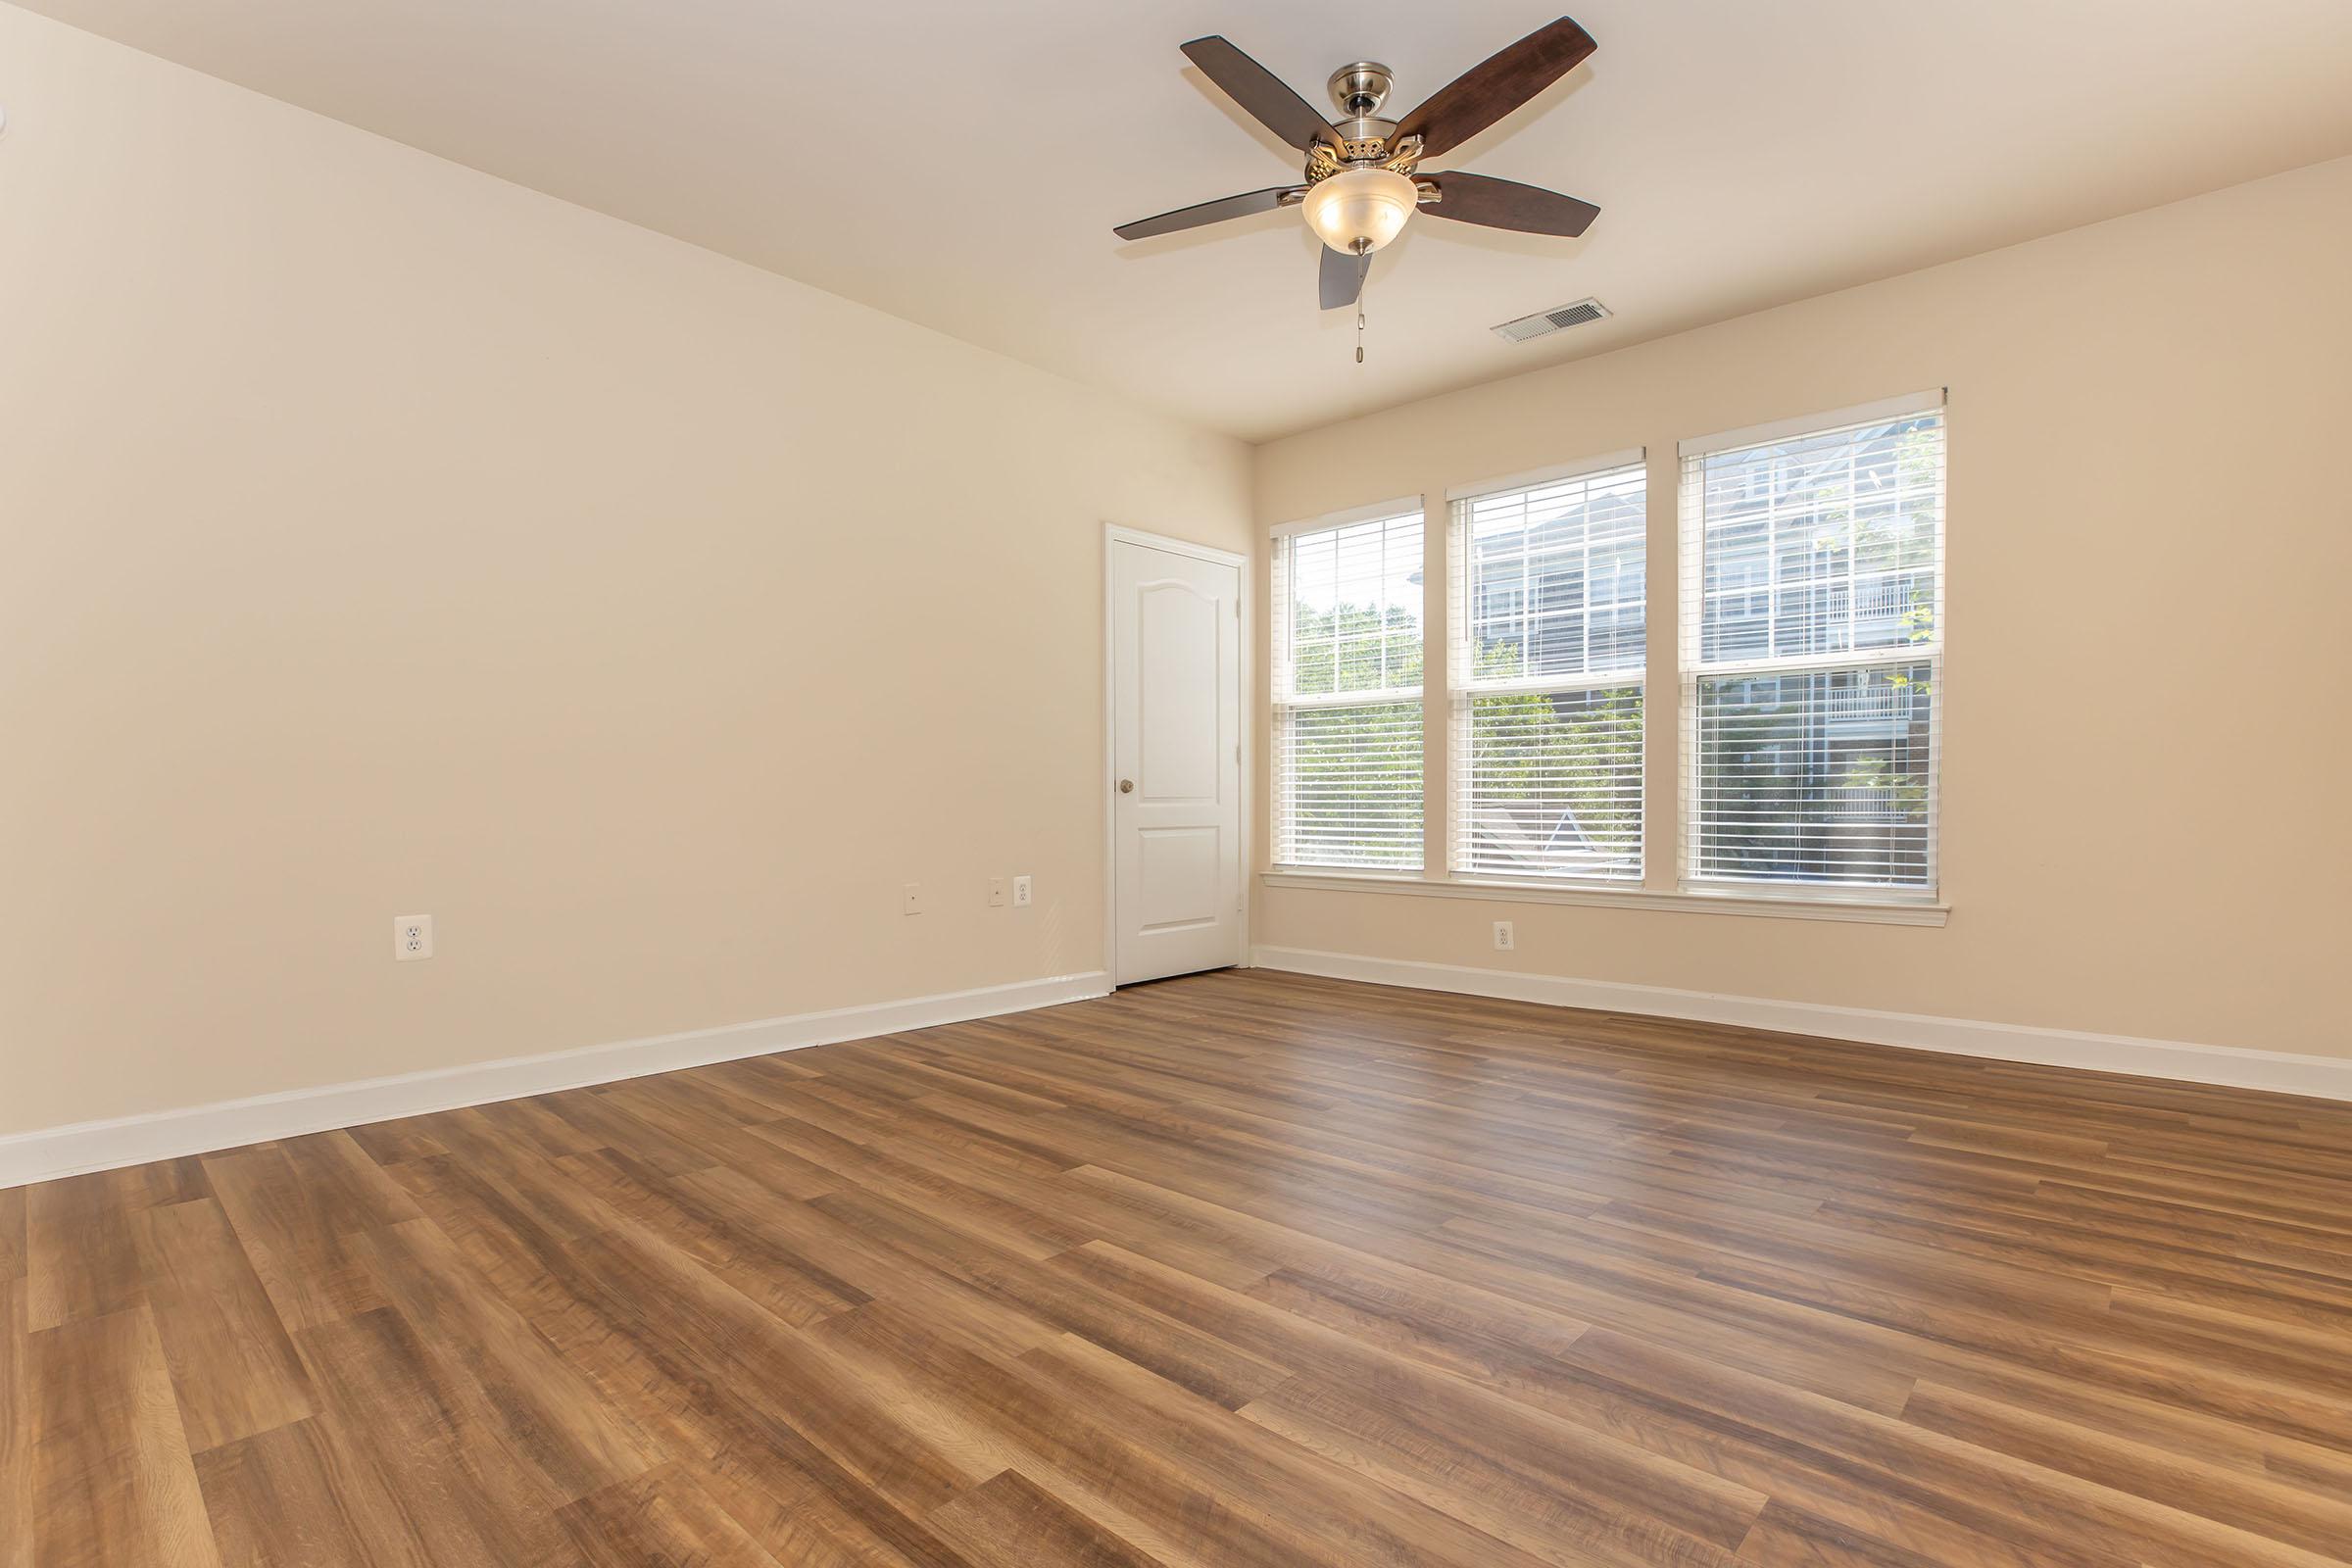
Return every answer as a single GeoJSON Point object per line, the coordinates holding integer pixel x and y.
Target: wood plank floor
{"type": "Point", "coordinates": [1242, 1270]}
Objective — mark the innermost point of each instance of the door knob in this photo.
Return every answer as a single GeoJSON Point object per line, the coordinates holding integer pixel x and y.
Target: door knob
{"type": "Point", "coordinates": [1126, 786]}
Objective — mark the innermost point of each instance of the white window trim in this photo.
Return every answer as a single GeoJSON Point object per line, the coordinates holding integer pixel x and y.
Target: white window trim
{"type": "Point", "coordinates": [1746, 898]}
{"type": "Point", "coordinates": [1460, 691]}
{"type": "Point", "coordinates": [1548, 475]}
{"type": "Point", "coordinates": [1776, 430]}
{"type": "Point", "coordinates": [1689, 566]}
{"type": "Point", "coordinates": [1378, 510]}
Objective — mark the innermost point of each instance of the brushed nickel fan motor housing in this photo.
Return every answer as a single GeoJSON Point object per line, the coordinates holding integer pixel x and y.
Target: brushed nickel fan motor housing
{"type": "Point", "coordinates": [1360, 137]}
{"type": "Point", "coordinates": [1364, 140]}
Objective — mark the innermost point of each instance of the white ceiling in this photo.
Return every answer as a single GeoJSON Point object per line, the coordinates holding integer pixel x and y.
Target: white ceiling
{"type": "Point", "coordinates": [961, 164]}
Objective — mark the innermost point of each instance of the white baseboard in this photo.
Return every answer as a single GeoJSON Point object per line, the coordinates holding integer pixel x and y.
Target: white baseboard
{"type": "Point", "coordinates": [2282, 1072]}
{"type": "Point", "coordinates": [54, 1151]}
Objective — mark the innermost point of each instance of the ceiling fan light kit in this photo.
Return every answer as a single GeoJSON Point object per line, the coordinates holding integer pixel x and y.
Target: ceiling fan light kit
{"type": "Point", "coordinates": [1360, 210]}
{"type": "Point", "coordinates": [1361, 181]}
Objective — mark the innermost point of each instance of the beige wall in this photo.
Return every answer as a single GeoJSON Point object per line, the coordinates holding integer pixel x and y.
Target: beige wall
{"type": "Point", "coordinates": [2147, 825]}
{"type": "Point", "coordinates": [378, 538]}
{"type": "Point", "coordinates": [381, 538]}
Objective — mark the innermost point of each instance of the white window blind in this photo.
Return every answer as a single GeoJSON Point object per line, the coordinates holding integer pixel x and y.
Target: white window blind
{"type": "Point", "coordinates": [1812, 592]}
{"type": "Point", "coordinates": [1347, 692]}
{"type": "Point", "coordinates": [1546, 675]}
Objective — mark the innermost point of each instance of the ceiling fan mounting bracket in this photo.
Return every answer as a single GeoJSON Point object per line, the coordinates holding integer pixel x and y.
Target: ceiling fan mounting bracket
{"type": "Point", "coordinates": [1360, 89]}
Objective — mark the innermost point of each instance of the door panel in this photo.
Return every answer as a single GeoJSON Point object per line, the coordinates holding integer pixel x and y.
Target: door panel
{"type": "Point", "coordinates": [1178, 704]}
{"type": "Point", "coordinates": [1182, 875]}
{"type": "Point", "coordinates": [1176, 745]}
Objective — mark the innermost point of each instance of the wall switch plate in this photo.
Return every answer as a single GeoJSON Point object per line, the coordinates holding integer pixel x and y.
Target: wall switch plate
{"type": "Point", "coordinates": [412, 937]}
{"type": "Point", "coordinates": [1505, 939]}
{"type": "Point", "coordinates": [910, 899]}
{"type": "Point", "coordinates": [995, 893]}
{"type": "Point", "coordinates": [1020, 892]}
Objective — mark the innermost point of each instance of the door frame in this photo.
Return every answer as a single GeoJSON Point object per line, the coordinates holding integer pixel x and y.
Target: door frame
{"type": "Point", "coordinates": [1243, 675]}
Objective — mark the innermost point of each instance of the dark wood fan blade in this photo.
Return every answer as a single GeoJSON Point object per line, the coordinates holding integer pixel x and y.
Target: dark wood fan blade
{"type": "Point", "coordinates": [1269, 100]}
{"type": "Point", "coordinates": [1507, 203]}
{"type": "Point", "coordinates": [1342, 279]}
{"type": "Point", "coordinates": [1216, 211]}
{"type": "Point", "coordinates": [1485, 93]}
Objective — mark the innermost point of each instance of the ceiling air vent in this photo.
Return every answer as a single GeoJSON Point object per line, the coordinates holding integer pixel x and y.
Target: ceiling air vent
{"type": "Point", "coordinates": [1545, 322]}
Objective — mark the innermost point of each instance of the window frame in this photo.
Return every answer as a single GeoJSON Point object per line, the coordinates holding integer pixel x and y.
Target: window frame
{"type": "Point", "coordinates": [1692, 668]}
{"type": "Point", "coordinates": [1462, 691]}
{"type": "Point", "coordinates": [1873, 904]}
{"type": "Point", "coordinates": [1283, 702]}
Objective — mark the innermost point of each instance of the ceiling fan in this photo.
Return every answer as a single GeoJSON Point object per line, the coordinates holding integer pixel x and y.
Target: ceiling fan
{"type": "Point", "coordinates": [1361, 176]}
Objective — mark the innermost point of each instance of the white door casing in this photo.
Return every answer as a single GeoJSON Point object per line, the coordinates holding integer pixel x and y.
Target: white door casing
{"type": "Point", "coordinates": [1176, 760]}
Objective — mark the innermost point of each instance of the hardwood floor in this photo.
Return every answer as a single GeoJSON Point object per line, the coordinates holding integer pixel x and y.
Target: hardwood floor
{"type": "Point", "coordinates": [1242, 1270]}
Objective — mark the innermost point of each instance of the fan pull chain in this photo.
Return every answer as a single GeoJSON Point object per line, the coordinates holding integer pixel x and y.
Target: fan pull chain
{"type": "Point", "coordinates": [1363, 268]}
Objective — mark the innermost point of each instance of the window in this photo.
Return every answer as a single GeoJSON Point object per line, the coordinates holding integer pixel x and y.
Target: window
{"type": "Point", "coordinates": [1346, 691]}
{"type": "Point", "coordinates": [1813, 643]}
{"type": "Point", "coordinates": [1550, 638]}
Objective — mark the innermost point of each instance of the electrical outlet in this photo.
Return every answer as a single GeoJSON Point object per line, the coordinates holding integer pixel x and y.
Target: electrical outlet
{"type": "Point", "coordinates": [1020, 892]}
{"type": "Point", "coordinates": [412, 937]}
{"type": "Point", "coordinates": [910, 899]}
{"type": "Point", "coordinates": [1505, 940]}
{"type": "Point", "coordinates": [995, 893]}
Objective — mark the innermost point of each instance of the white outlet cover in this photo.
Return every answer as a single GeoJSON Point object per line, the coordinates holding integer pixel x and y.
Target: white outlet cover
{"type": "Point", "coordinates": [1505, 939]}
{"type": "Point", "coordinates": [1020, 892]}
{"type": "Point", "coordinates": [407, 948]}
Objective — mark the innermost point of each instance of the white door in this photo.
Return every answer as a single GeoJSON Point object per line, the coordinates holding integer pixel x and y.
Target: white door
{"type": "Point", "coordinates": [1176, 785]}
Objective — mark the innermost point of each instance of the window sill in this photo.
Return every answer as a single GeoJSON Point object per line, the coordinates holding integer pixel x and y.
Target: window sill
{"type": "Point", "coordinates": [1771, 905]}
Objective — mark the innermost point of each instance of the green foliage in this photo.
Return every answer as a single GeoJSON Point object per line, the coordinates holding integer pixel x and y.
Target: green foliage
{"type": "Point", "coordinates": [1771, 755]}
{"type": "Point", "coordinates": [1566, 751]}
{"type": "Point", "coordinates": [1354, 648]}
{"type": "Point", "coordinates": [1907, 789]}
{"type": "Point", "coordinates": [1342, 756]}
